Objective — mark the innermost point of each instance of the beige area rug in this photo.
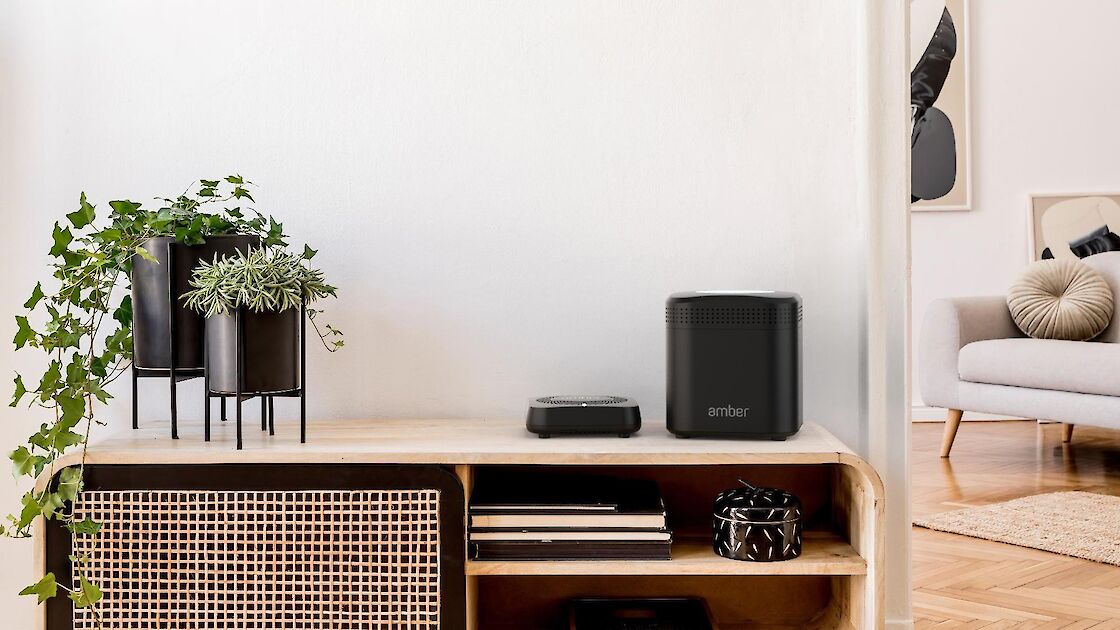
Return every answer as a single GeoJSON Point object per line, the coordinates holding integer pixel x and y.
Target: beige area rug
{"type": "Point", "coordinates": [1078, 524]}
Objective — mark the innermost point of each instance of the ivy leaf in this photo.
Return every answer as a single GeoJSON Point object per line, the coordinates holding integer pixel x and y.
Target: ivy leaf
{"type": "Point", "coordinates": [62, 238]}
{"type": "Point", "coordinates": [31, 510]}
{"type": "Point", "coordinates": [24, 333]}
{"type": "Point", "coordinates": [235, 179]}
{"type": "Point", "coordinates": [36, 295]}
{"type": "Point", "coordinates": [51, 505]}
{"type": "Point", "coordinates": [87, 594]}
{"type": "Point", "coordinates": [83, 216]}
{"type": "Point", "coordinates": [146, 255]}
{"type": "Point", "coordinates": [100, 394]}
{"type": "Point", "coordinates": [20, 390]}
{"type": "Point", "coordinates": [24, 463]}
{"type": "Point", "coordinates": [123, 314]}
{"type": "Point", "coordinates": [73, 408]}
{"type": "Point", "coordinates": [309, 253]}
{"type": "Point", "coordinates": [69, 483]}
{"type": "Point", "coordinates": [48, 385]}
{"type": "Point", "coordinates": [209, 183]}
{"type": "Point", "coordinates": [44, 589]}
{"type": "Point", "coordinates": [124, 207]}
{"type": "Point", "coordinates": [87, 527]}
{"type": "Point", "coordinates": [241, 193]}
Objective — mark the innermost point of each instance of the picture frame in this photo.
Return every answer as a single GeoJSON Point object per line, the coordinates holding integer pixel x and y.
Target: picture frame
{"type": "Point", "coordinates": [956, 101]}
{"type": "Point", "coordinates": [1105, 212]}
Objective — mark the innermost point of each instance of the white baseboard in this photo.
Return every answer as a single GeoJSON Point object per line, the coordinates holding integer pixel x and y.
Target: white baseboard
{"type": "Point", "coordinates": [899, 624]}
{"type": "Point", "coordinates": [922, 413]}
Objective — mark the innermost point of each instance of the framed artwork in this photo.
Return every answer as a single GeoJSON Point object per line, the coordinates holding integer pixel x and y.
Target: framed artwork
{"type": "Point", "coordinates": [1073, 225]}
{"type": "Point", "coordinates": [941, 132]}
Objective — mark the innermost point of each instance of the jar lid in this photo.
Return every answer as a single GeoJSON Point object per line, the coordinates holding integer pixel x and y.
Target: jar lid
{"type": "Point", "coordinates": [756, 504]}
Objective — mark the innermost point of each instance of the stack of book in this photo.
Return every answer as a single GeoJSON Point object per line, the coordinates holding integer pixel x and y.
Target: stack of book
{"type": "Point", "coordinates": [567, 517]}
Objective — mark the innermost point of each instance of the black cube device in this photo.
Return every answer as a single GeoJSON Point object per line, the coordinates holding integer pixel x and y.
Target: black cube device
{"type": "Point", "coordinates": [583, 415]}
{"type": "Point", "coordinates": [734, 364]}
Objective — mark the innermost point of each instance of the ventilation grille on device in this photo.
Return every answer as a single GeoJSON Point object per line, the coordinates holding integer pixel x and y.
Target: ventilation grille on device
{"type": "Point", "coordinates": [685, 314]}
{"type": "Point", "coordinates": [345, 560]}
{"type": "Point", "coordinates": [581, 400]}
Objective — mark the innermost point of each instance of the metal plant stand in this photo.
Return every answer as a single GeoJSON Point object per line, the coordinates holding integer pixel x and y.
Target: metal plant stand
{"type": "Point", "coordinates": [268, 416]}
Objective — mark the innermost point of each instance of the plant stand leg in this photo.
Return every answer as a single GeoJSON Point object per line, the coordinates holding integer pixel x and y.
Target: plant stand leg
{"type": "Point", "coordinates": [205, 392]}
{"type": "Point", "coordinates": [223, 399]}
{"type": "Point", "coordinates": [271, 418]}
{"type": "Point", "coordinates": [135, 399]}
{"type": "Point", "coordinates": [171, 312]}
{"type": "Point", "coordinates": [237, 340]}
{"type": "Point", "coordinates": [302, 373]}
{"type": "Point", "coordinates": [264, 412]}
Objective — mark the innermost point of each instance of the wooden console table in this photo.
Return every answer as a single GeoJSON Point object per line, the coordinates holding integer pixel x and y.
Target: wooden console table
{"type": "Point", "coordinates": [836, 583]}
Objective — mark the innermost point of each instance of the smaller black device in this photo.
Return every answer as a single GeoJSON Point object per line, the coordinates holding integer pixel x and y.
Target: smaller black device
{"type": "Point", "coordinates": [756, 524]}
{"type": "Point", "coordinates": [583, 415]}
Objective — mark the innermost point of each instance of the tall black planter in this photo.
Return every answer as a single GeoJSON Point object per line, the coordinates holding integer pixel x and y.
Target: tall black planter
{"type": "Point", "coordinates": [154, 285]}
{"type": "Point", "coordinates": [251, 354]}
{"type": "Point", "coordinates": [167, 338]}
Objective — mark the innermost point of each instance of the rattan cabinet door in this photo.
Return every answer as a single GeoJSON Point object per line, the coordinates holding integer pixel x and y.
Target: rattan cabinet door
{"type": "Point", "coordinates": [263, 547]}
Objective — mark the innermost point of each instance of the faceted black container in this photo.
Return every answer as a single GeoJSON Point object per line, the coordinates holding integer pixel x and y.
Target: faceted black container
{"type": "Point", "coordinates": [270, 347]}
{"type": "Point", "coordinates": [756, 524]}
{"type": "Point", "coordinates": [154, 285]}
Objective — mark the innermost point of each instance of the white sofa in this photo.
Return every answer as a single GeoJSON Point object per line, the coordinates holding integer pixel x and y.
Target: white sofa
{"type": "Point", "coordinates": [972, 357]}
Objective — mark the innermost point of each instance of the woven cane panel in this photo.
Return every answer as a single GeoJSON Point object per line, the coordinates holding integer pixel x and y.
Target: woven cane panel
{"type": "Point", "coordinates": [339, 560]}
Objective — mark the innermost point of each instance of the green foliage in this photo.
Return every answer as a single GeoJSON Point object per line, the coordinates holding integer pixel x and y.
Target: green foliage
{"type": "Point", "coordinates": [264, 279]}
{"type": "Point", "coordinates": [87, 594]}
{"type": "Point", "coordinates": [44, 589]}
{"type": "Point", "coordinates": [85, 351]}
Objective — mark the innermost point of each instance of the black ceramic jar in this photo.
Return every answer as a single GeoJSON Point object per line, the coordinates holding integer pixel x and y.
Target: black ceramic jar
{"type": "Point", "coordinates": [756, 524]}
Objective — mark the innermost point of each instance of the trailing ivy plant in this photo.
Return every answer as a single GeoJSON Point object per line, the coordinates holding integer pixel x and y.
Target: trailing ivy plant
{"type": "Point", "coordinates": [264, 279]}
{"type": "Point", "coordinates": [82, 325]}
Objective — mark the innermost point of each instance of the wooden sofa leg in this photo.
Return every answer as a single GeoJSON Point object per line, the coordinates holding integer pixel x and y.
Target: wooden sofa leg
{"type": "Point", "coordinates": [952, 422]}
{"type": "Point", "coordinates": [1067, 432]}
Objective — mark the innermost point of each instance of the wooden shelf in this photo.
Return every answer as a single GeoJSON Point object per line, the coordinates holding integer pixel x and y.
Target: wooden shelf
{"type": "Point", "coordinates": [822, 554]}
{"type": "Point", "coordinates": [452, 441]}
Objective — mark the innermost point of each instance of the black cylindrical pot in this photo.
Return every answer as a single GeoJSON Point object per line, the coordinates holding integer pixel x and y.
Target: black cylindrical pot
{"type": "Point", "coordinates": [756, 524]}
{"type": "Point", "coordinates": [151, 299]}
{"type": "Point", "coordinates": [270, 351]}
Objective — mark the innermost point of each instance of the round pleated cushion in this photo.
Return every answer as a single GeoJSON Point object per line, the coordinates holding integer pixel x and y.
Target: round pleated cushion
{"type": "Point", "coordinates": [1061, 298]}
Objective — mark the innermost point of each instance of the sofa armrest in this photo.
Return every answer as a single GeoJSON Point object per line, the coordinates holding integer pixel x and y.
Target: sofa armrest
{"type": "Point", "coordinates": [949, 325]}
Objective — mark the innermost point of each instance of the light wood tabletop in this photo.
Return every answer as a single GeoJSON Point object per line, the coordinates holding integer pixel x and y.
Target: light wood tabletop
{"type": "Point", "coordinates": [450, 441]}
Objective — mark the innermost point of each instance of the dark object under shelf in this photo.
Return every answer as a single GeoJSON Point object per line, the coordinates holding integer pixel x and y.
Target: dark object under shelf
{"type": "Point", "coordinates": [168, 342]}
{"type": "Point", "coordinates": [756, 524]}
{"type": "Point", "coordinates": [668, 613]}
{"type": "Point", "coordinates": [257, 354]}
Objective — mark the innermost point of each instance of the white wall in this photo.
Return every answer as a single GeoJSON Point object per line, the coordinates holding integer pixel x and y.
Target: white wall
{"type": "Point", "coordinates": [505, 191]}
{"type": "Point", "coordinates": [1043, 120]}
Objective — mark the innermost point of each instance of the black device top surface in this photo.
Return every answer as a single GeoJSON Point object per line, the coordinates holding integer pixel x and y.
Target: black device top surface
{"type": "Point", "coordinates": [733, 297]}
{"type": "Point", "coordinates": [582, 400]}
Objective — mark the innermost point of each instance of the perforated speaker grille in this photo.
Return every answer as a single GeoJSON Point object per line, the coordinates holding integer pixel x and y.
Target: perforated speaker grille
{"type": "Point", "coordinates": [569, 401]}
{"type": "Point", "coordinates": [344, 560]}
{"type": "Point", "coordinates": [687, 314]}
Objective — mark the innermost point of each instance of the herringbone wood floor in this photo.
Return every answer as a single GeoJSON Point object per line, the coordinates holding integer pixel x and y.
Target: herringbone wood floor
{"type": "Point", "coordinates": [962, 582]}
